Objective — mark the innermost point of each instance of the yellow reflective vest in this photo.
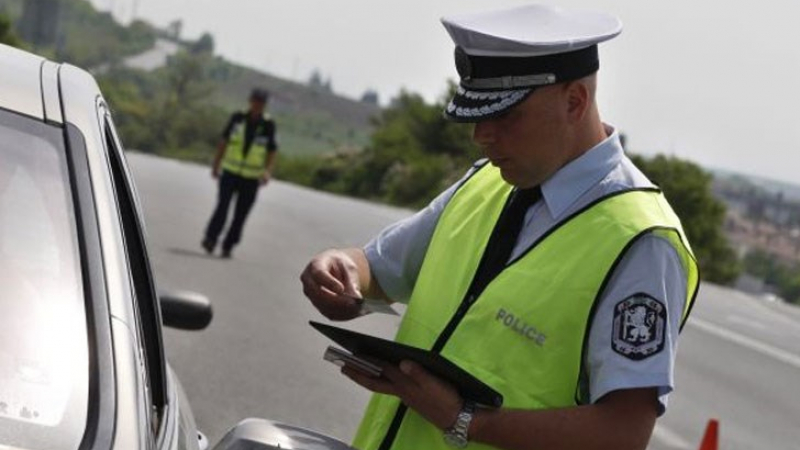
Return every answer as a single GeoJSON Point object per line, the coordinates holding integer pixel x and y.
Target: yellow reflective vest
{"type": "Point", "coordinates": [525, 333]}
{"type": "Point", "coordinates": [253, 164]}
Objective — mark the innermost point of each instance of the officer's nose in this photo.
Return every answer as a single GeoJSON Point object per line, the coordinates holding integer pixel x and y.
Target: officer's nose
{"type": "Point", "coordinates": [484, 133]}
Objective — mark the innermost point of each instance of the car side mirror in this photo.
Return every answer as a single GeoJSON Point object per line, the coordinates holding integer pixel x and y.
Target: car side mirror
{"type": "Point", "coordinates": [185, 310]}
{"type": "Point", "coordinates": [262, 434]}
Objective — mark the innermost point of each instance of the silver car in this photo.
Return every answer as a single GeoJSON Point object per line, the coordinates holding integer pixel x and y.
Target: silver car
{"type": "Point", "coordinates": [82, 363]}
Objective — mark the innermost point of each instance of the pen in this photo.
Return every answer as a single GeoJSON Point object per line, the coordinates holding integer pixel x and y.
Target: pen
{"type": "Point", "coordinates": [358, 300]}
{"type": "Point", "coordinates": [363, 311]}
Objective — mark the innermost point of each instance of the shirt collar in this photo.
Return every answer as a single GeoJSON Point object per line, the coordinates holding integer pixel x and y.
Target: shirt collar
{"type": "Point", "coordinates": [563, 188]}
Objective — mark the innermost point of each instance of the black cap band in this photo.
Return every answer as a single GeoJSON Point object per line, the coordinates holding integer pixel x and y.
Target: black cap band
{"type": "Point", "coordinates": [506, 72]}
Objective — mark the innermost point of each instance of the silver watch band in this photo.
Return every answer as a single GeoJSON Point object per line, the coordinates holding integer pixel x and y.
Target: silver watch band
{"type": "Point", "coordinates": [457, 435]}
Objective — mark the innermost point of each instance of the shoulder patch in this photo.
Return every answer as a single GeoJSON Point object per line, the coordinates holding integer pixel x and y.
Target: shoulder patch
{"type": "Point", "coordinates": [640, 323]}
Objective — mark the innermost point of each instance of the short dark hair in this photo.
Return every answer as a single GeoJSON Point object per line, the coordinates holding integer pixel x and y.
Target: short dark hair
{"type": "Point", "coordinates": [259, 94]}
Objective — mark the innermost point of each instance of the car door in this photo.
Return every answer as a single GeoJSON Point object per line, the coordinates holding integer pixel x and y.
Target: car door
{"type": "Point", "coordinates": [170, 420]}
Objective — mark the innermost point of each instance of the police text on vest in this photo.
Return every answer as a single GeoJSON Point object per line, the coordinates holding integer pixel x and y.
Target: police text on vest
{"type": "Point", "coordinates": [516, 324]}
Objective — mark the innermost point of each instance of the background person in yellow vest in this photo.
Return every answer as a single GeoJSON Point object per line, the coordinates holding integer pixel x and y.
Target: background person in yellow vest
{"type": "Point", "coordinates": [246, 156]}
{"type": "Point", "coordinates": [554, 271]}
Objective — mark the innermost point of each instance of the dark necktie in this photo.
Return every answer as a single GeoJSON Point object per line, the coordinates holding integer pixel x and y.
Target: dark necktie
{"type": "Point", "coordinates": [503, 237]}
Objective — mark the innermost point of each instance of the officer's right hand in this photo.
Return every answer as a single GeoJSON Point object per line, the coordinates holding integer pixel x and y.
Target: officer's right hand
{"type": "Point", "coordinates": [330, 281]}
{"type": "Point", "coordinates": [215, 172]}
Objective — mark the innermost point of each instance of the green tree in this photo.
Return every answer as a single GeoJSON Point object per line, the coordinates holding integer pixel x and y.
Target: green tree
{"type": "Point", "coordinates": [182, 102]}
{"type": "Point", "coordinates": [203, 45]}
{"type": "Point", "coordinates": [791, 291]}
{"type": "Point", "coordinates": [688, 189]}
{"type": "Point", "coordinates": [761, 264]}
{"type": "Point", "coordinates": [413, 154]}
{"type": "Point", "coordinates": [77, 33]}
{"type": "Point", "coordinates": [784, 277]}
{"type": "Point", "coordinates": [166, 112]}
{"type": "Point", "coordinates": [7, 35]}
{"type": "Point", "coordinates": [370, 96]}
{"type": "Point", "coordinates": [126, 92]}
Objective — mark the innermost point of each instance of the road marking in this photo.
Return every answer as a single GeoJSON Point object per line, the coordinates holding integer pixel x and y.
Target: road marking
{"type": "Point", "coordinates": [745, 321]}
{"type": "Point", "coordinates": [766, 349]}
{"type": "Point", "coordinates": [669, 438]}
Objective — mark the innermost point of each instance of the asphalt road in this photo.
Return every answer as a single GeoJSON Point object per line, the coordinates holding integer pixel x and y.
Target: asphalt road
{"type": "Point", "coordinates": [739, 359]}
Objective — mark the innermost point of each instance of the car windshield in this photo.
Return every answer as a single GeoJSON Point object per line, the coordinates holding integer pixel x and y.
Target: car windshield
{"type": "Point", "coordinates": [44, 362]}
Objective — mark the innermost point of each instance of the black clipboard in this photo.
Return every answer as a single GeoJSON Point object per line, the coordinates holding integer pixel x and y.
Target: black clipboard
{"type": "Point", "coordinates": [467, 385]}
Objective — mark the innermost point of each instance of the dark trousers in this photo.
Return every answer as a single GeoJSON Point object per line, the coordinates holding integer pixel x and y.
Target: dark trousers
{"type": "Point", "coordinates": [245, 190]}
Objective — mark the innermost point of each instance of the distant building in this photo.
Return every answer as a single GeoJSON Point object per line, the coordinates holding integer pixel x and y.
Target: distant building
{"type": "Point", "coordinates": [757, 219]}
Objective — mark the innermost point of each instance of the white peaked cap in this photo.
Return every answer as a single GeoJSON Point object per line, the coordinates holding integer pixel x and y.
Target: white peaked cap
{"type": "Point", "coordinates": [502, 56]}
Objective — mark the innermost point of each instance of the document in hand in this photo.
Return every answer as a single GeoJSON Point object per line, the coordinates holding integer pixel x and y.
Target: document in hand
{"type": "Point", "coordinates": [360, 344]}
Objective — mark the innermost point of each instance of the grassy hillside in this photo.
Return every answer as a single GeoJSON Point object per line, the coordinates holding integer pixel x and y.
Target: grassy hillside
{"type": "Point", "coordinates": [311, 121]}
{"type": "Point", "coordinates": [73, 31]}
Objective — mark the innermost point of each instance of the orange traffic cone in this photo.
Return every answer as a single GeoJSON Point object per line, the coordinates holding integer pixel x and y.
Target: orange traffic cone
{"type": "Point", "coordinates": [711, 437]}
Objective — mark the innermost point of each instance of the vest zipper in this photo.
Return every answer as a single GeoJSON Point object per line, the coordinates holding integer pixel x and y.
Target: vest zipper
{"type": "Point", "coordinates": [473, 293]}
{"type": "Point", "coordinates": [454, 322]}
{"type": "Point", "coordinates": [394, 427]}
{"type": "Point", "coordinates": [448, 331]}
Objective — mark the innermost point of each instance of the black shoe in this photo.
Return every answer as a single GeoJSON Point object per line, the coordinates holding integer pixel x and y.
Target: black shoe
{"type": "Point", "coordinates": [208, 246]}
{"type": "Point", "coordinates": [226, 253]}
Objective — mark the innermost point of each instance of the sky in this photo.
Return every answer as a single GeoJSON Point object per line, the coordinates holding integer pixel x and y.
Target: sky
{"type": "Point", "coordinates": [714, 82]}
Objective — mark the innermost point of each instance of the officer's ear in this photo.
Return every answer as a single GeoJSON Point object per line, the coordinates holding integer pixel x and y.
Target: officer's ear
{"type": "Point", "coordinates": [579, 97]}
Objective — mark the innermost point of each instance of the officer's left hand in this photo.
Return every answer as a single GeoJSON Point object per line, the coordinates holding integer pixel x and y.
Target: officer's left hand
{"type": "Point", "coordinates": [431, 397]}
{"type": "Point", "coordinates": [265, 178]}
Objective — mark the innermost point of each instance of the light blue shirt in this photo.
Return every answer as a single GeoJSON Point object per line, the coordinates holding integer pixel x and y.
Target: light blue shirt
{"type": "Point", "coordinates": [651, 266]}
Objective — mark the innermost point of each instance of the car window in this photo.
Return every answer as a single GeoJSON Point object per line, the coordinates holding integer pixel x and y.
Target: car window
{"type": "Point", "coordinates": [44, 354]}
{"type": "Point", "coordinates": [149, 318]}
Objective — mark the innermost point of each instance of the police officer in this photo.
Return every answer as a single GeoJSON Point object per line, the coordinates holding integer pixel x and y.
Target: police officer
{"type": "Point", "coordinates": [554, 271]}
{"type": "Point", "coordinates": [246, 155]}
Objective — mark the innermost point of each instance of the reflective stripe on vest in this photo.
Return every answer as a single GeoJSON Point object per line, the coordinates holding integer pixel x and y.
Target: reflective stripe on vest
{"type": "Point", "coordinates": [524, 335]}
{"type": "Point", "coordinates": [253, 165]}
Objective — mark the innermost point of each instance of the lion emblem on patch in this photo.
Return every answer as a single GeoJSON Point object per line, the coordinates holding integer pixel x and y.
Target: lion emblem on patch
{"type": "Point", "coordinates": [639, 327]}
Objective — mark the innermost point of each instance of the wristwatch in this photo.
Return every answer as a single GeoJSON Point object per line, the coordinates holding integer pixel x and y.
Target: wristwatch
{"type": "Point", "coordinates": [456, 436]}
